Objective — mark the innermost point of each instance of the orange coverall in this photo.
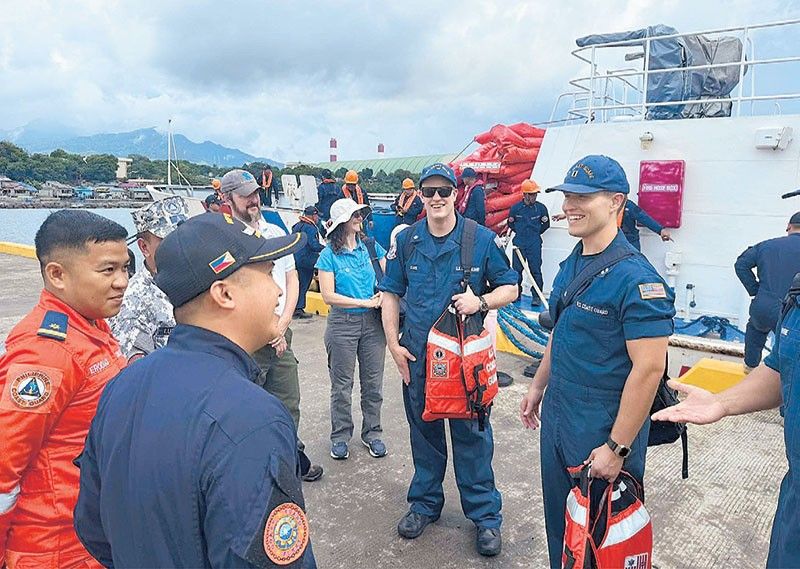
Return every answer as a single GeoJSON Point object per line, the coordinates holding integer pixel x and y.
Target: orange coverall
{"type": "Point", "coordinates": [51, 377]}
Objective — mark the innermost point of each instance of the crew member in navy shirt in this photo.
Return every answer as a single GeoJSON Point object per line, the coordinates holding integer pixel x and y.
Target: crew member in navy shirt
{"type": "Point", "coordinates": [776, 262]}
{"type": "Point", "coordinates": [188, 463]}
{"type": "Point", "coordinates": [607, 351]}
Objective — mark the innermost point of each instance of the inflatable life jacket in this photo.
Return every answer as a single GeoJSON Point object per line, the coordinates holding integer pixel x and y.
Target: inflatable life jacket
{"type": "Point", "coordinates": [359, 199]}
{"type": "Point", "coordinates": [404, 201]}
{"type": "Point", "coordinates": [461, 366]}
{"type": "Point", "coordinates": [619, 534]}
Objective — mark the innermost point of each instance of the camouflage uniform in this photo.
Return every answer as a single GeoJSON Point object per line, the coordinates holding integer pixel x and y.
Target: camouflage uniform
{"type": "Point", "coordinates": [145, 319]}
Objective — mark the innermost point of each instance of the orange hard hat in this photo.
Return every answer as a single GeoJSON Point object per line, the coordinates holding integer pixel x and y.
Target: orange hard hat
{"type": "Point", "coordinates": [408, 184]}
{"type": "Point", "coordinates": [351, 177]}
{"type": "Point", "coordinates": [216, 184]}
{"type": "Point", "coordinates": [530, 187]}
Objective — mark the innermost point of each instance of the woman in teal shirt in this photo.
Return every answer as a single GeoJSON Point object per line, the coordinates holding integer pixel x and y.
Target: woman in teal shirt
{"type": "Point", "coordinates": [348, 284]}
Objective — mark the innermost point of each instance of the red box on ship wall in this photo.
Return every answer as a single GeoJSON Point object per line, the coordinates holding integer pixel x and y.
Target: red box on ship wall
{"type": "Point", "coordinates": [661, 190]}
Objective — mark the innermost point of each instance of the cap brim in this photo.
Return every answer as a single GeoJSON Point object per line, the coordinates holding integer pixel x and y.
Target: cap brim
{"type": "Point", "coordinates": [277, 247]}
{"type": "Point", "coordinates": [575, 189]}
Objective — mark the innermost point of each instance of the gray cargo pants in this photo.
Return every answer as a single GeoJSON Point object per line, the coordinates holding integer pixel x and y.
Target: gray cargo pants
{"type": "Point", "coordinates": [352, 336]}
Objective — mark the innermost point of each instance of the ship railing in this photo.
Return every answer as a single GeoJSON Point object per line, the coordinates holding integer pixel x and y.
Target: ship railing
{"type": "Point", "coordinates": [621, 94]}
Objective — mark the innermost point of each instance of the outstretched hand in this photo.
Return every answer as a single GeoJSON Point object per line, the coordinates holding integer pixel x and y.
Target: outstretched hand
{"type": "Point", "coordinates": [699, 407]}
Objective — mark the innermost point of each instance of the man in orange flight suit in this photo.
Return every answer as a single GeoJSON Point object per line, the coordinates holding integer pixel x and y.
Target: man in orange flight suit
{"type": "Point", "coordinates": [58, 360]}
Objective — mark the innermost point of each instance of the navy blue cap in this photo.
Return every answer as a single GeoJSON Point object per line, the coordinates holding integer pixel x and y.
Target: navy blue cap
{"type": "Point", "coordinates": [468, 173]}
{"type": "Point", "coordinates": [209, 248]}
{"type": "Point", "coordinates": [311, 210]}
{"type": "Point", "coordinates": [212, 198]}
{"type": "Point", "coordinates": [594, 173]}
{"type": "Point", "coordinates": [794, 220]}
{"type": "Point", "coordinates": [438, 169]}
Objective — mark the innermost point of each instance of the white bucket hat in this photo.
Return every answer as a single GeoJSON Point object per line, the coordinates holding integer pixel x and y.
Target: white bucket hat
{"type": "Point", "coordinates": [341, 212]}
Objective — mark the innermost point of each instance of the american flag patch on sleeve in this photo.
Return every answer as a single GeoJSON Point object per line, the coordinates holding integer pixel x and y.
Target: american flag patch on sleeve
{"type": "Point", "coordinates": [649, 291]}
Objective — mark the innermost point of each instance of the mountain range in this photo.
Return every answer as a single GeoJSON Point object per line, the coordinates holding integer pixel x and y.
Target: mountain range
{"type": "Point", "coordinates": [46, 137]}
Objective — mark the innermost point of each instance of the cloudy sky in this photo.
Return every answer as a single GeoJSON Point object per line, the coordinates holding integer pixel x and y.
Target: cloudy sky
{"type": "Point", "coordinates": [279, 78]}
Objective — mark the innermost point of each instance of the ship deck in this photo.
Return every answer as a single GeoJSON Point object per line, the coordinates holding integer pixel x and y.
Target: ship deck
{"type": "Point", "coordinates": [720, 517]}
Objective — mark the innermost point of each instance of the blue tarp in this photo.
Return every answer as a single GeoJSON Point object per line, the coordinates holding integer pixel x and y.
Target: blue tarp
{"type": "Point", "coordinates": [674, 53]}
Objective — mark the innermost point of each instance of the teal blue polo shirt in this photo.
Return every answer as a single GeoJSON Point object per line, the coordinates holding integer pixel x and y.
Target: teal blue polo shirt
{"type": "Point", "coordinates": [353, 274]}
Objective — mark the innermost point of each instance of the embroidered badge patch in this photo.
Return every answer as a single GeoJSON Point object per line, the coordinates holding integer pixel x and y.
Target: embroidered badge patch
{"type": "Point", "coordinates": [31, 389]}
{"type": "Point", "coordinates": [286, 534]}
{"type": "Point", "coordinates": [222, 262]}
{"type": "Point", "coordinates": [392, 254]}
{"type": "Point", "coordinates": [637, 561]}
{"type": "Point", "coordinates": [439, 369]}
{"type": "Point", "coordinates": [649, 291]}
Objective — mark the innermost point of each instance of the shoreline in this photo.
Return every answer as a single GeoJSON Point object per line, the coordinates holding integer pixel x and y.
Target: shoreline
{"type": "Point", "coordinates": [55, 203]}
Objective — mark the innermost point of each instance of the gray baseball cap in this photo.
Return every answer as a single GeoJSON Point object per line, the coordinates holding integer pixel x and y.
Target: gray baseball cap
{"type": "Point", "coordinates": [161, 217]}
{"type": "Point", "coordinates": [239, 182]}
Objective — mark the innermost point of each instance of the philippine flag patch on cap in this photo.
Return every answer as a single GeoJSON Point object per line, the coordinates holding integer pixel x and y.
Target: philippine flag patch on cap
{"type": "Point", "coordinates": [222, 262]}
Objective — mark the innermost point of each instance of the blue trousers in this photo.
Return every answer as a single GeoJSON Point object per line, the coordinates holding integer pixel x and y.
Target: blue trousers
{"type": "Point", "coordinates": [764, 312]}
{"type": "Point", "coordinates": [576, 419]}
{"type": "Point", "coordinates": [472, 459]}
{"type": "Point", "coordinates": [305, 276]}
{"type": "Point", "coordinates": [533, 256]}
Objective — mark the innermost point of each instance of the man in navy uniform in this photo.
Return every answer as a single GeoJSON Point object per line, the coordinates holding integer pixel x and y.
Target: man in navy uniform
{"type": "Point", "coordinates": [633, 214]}
{"type": "Point", "coordinates": [776, 261]}
{"type": "Point", "coordinates": [424, 267]}
{"type": "Point", "coordinates": [188, 463]}
{"type": "Point", "coordinates": [607, 351]}
{"type": "Point", "coordinates": [306, 258]}
{"type": "Point", "coordinates": [473, 204]}
{"type": "Point", "coordinates": [327, 193]}
{"type": "Point", "coordinates": [529, 219]}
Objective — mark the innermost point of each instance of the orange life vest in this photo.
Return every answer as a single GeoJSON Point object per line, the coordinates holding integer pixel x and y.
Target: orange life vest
{"type": "Point", "coordinates": [461, 366]}
{"type": "Point", "coordinates": [461, 369]}
{"type": "Point", "coordinates": [618, 535]}
{"type": "Point", "coordinates": [404, 202]}
{"type": "Point", "coordinates": [359, 199]}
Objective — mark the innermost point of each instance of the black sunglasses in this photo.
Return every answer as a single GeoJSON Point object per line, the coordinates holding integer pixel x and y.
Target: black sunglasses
{"type": "Point", "coordinates": [443, 191]}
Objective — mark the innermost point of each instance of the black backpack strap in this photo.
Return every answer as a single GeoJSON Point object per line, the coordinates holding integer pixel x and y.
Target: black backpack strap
{"type": "Point", "coordinates": [467, 249]}
{"type": "Point", "coordinates": [369, 242]}
{"type": "Point", "coordinates": [582, 280]}
{"type": "Point", "coordinates": [791, 297]}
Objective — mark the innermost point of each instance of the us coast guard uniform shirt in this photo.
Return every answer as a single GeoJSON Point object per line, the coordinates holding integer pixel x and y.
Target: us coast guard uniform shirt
{"type": "Point", "coordinates": [628, 301]}
{"type": "Point", "coordinates": [188, 463]}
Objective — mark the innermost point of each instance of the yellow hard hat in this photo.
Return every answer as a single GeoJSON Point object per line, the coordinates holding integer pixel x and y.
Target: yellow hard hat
{"type": "Point", "coordinates": [530, 187]}
{"type": "Point", "coordinates": [408, 184]}
{"type": "Point", "coordinates": [351, 177]}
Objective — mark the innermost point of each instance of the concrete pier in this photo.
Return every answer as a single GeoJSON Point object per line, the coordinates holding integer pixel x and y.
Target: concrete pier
{"type": "Point", "coordinates": [720, 517]}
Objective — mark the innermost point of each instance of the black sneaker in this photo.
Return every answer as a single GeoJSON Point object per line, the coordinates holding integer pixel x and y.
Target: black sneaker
{"type": "Point", "coordinates": [339, 451]}
{"type": "Point", "coordinates": [376, 448]}
{"type": "Point", "coordinates": [314, 473]}
{"type": "Point", "coordinates": [300, 315]}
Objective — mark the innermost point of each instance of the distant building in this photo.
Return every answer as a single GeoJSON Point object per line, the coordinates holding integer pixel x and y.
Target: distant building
{"type": "Point", "coordinates": [122, 168]}
{"type": "Point", "coordinates": [9, 187]}
{"type": "Point", "coordinates": [139, 194]}
{"type": "Point", "coordinates": [58, 190]}
{"type": "Point", "coordinates": [83, 193]}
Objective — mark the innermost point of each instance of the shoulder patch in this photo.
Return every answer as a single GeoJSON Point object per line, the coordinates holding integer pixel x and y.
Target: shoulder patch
{"type": "Point", "coordinates": [30, 388]}
{"type": "Point", "coordinates": [392, 252]}
{"type": "Point", "coordinates": [650, 291]}
{"type": "Point", "coordinates": [544, 218]}
{"type": "Point", "coordinates": [54, 325]}
{"type": "Point", "coordinates": [286, 534]}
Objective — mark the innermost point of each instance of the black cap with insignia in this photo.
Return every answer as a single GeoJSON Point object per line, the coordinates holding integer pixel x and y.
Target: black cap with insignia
{"type": "Point", "coordinates": [209, 248]}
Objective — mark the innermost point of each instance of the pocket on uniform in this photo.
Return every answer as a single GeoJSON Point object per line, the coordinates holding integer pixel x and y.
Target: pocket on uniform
{"type": "Point", "coordinates": [589, 335]}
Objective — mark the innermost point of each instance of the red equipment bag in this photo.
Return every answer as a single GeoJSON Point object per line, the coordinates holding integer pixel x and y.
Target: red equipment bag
{"type": "Point", "coordinates": [445, 389]}
{"type": "Point", "coordinates": [461, 367]}
{"type": "Point", "coordinates": [618, 535]}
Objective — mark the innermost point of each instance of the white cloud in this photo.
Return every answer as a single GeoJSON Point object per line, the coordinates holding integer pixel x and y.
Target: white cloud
{"type": "Point", "coordinates": [278, 79]}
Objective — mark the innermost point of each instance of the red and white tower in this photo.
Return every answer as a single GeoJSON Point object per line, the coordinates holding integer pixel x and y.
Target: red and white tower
{"type": "Point", "coordinates": [381, 150]}
{"type": "Point", "coordinates": [333, 150]}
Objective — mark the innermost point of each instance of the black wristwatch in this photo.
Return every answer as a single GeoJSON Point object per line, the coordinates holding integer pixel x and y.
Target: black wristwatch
{"type": "Point", "coordinates": [484, 305]}
{"type": "Point", "coordinates": [620, 450]}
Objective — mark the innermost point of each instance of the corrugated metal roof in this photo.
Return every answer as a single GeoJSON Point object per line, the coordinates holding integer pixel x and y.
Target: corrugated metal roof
{"type": "Point", "coordinates": [389, 165]}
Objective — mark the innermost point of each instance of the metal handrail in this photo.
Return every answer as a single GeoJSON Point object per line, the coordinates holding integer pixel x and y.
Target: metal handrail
{"type": "Point", "coordinates": [635, 42]}
{"type": "Point", "coordinates": [604, 98]}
